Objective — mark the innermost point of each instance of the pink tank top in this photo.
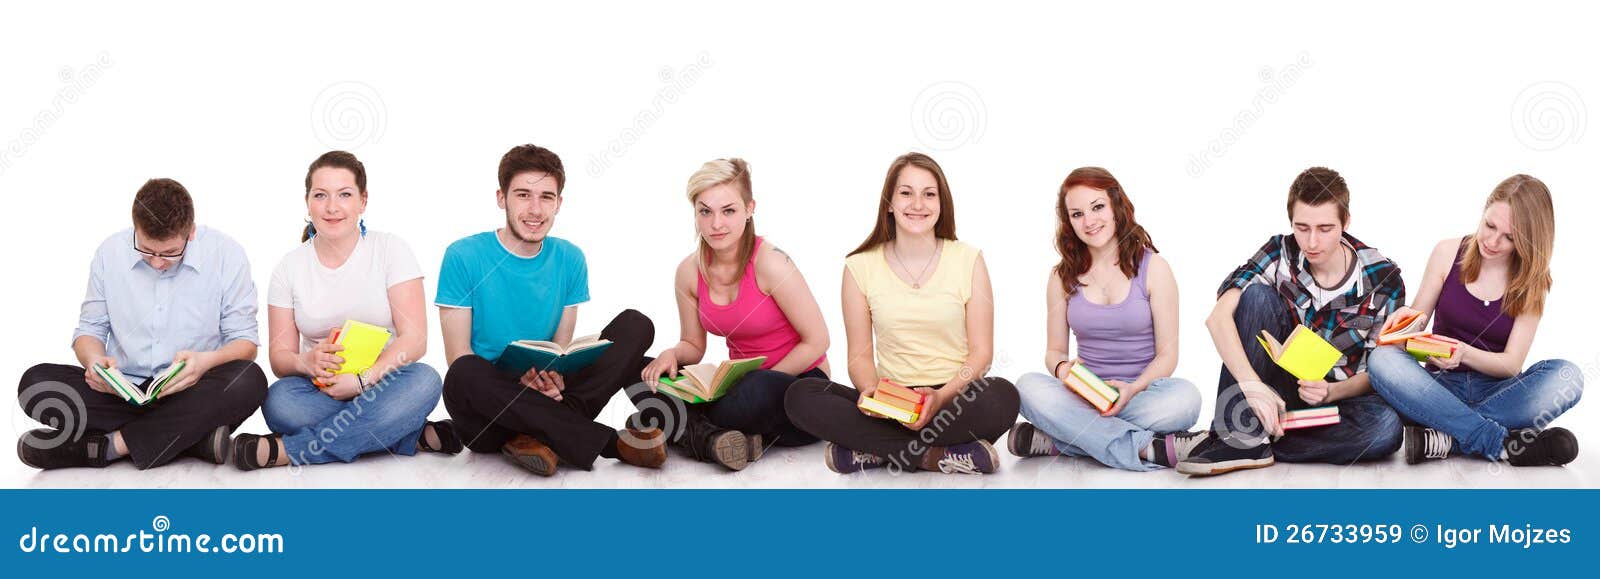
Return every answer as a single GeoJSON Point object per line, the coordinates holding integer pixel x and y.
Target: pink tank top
{"type": "Point", "coordinates": [753, 324]}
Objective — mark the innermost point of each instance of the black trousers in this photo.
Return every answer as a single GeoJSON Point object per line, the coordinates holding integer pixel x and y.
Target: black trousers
{"type": "Point", "coordinates": [985, 410]}
{"type": "Point", "coordinates": [489, 406]}
{"type": "Point", "coordinates": [754, 406]}
{"type": "Point", "coordinates": [58, 396]}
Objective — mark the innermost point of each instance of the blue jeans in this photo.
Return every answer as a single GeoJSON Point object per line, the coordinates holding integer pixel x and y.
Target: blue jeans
{"type": "Point", "coordinates": [1473, 408]}
{"type": "Point", "coordinates": [1368, 428]}
{"type": "Point", "coordinates": [388, 416]}
{"type": "Point", "coordinates": [1168, 405]}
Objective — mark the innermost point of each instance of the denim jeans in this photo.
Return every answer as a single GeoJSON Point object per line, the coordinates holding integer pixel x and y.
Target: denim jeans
{"type": "Point", "coordinates": [1167, 405]}
{"type": "Point", "coordinates": [388, 416]}
{"type": "Point", "coordinates": [1473, 408]}
{"type": "Point", "coordinates": [1368, 428]}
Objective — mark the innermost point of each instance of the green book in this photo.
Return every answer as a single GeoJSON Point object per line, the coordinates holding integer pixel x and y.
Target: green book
{"type": "Point", "coordinates": [708, 382]}
{"type": "Point", "coordinates": [141, 393]}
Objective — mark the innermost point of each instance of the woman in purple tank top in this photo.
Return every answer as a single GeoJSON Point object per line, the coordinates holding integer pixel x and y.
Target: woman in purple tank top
{"type": "Point", "coordinates": [1485, 292]}
{"type": "Point", "coordinates": [750, 293]}
{"type": "Point", "coordinates": [1120, 299]}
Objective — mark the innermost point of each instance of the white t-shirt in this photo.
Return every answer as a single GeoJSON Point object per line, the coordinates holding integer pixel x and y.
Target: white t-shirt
{"type": "Point", "coordinates": [323, 298]}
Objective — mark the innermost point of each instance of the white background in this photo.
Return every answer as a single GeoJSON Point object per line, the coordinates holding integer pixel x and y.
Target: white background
{"type": "Point", "coordinates": [1205, 114]}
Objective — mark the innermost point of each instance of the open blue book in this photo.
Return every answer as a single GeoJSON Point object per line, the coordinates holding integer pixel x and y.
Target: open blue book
{"type": "Point", "coordinates": [523, 355]}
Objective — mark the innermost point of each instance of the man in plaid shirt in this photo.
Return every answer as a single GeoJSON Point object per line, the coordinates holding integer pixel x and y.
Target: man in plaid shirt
{"type": "Point", "coordinates": [1324, 278]}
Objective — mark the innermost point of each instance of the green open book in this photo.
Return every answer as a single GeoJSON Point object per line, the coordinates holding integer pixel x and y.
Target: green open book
{"type": "Point", "coordinates": [1304, 354]}
{"type": "Point", "coordinates": [362, 342]}
{"type": "Point", "coordinates": [708, 382]}
{"type": "Point", "coordinates": [143, 392]}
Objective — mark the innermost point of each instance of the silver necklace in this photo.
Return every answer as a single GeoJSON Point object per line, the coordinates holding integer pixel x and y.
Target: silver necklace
{"type": "Point", "coordinates": [916, 281]}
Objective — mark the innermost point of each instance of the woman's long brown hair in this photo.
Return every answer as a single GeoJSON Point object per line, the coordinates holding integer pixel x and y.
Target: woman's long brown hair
{"type": "Point", "coordinates": [883, 230]}
{"type": "Point", "coordinates": [1131, 241]}
{"type": "Point", "coordinates": [1533, 226]}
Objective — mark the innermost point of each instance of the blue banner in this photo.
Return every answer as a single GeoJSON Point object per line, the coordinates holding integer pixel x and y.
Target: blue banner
{"type": "Point", "coordinates": [239, 533]}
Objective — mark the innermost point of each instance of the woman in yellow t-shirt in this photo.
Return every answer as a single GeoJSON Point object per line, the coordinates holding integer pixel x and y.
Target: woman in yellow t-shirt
{"type": "Point", "coordinates": [925, 298]}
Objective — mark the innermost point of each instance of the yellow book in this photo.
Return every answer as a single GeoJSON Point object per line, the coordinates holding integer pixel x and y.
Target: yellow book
{"type": "Point", "coordinates": [1304, 354]}
{"type": "Point", "coordinates": [885, 409]}
{"type": "Point", "coordinates": [362, 344]}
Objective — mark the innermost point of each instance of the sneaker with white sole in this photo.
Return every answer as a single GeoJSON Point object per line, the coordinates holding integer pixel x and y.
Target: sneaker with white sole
{"type": "Point", "coordinates": [1214, 456]}
{"type": "Point", "coordinates": [976, 457]}
{"type": "Point", "coordinates": [845, 461]}
{"type": "Point", "coordinates": [1026, 440]}
{"type": "Point", "coordinates": [1422, 444]}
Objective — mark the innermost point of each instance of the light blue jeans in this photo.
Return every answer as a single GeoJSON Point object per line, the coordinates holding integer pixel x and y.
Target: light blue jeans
{"type": "Point", "coordinates": [1473, 408]}
{"type": "Point", "coordinates": [1168, 405]}
{"type": "Point", "coordinates": [388, 416]}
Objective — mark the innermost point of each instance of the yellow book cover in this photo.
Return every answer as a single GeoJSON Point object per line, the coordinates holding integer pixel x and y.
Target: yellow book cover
{"type": "Point", "coordinates": [1304, 354]}
{"type": "Point", "coordinates": [362, 344]}
{"type": "Point", "coordinates": [878, 406]}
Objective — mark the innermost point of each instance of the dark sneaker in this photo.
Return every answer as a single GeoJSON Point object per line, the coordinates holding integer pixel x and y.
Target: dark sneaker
{"type": "Point", "coordinates": [729, 448]}
{"type": "Point", "coordinates": [1026, 440]}
{"type": "Point", "coordinates": [845, 461]}
{"type": "Point", "coordinates": [527, 452]}
{"type": "Point", "coordinates": [43, 449]}
{"type": "Point", "coordinates": [1214, 456]}
{"type": "Point", "coordinates": [1528, 447]}
{"type": "Point", "coordinates": [214, 447]}
{"type": "Point", "coordinates": [1171, 449]}
{"type": "Point", "coordinates": [1423, 443]}
{"type": "Point", "coordinates": [976, 457]}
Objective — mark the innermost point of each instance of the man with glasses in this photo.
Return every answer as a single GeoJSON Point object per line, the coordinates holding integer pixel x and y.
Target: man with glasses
{"type": "Point", "coordinates": [161, 294]}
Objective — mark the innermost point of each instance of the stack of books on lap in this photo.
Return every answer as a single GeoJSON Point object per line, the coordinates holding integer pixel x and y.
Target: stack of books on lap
{"type": "Point", "coordinates": [895, 401]}
{"type": "Point", "coordinates": [1092, 388]}
{"type": "Point", "coordinates": [707, 382]}
{"type": "Point", "coordinates": [1407, 331]}
{"type": "Point", "coordinates": [1309, 417]}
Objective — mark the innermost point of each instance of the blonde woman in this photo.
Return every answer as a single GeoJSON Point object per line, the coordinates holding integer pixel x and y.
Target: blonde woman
{"type": "Point", "coordinates": [1487, 292]}
{"type": "Point", "coordinates": [739, 287]}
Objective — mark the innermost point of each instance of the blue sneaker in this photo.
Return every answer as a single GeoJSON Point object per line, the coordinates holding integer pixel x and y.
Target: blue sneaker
{"type": "Point", "coordinates": [976, 457]}
{"type": "Point", "coordinates": [845, 461]}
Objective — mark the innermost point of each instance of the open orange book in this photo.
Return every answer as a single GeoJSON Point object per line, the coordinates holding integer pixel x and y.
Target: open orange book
{"type": "Point", "coordinates": [1400, 329]}
{"type": "Point", "coordinates": [895, 401]}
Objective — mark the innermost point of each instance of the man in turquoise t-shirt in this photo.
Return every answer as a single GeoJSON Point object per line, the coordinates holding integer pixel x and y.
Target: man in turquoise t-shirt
{"type": "Point", "coordinates": [518, 283]}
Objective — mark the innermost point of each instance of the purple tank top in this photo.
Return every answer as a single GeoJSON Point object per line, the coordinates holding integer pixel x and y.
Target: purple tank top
{"type": "Point", "coordinates": [1463, 316]}
{"type": "Point", "coordinates": [1116, 341]}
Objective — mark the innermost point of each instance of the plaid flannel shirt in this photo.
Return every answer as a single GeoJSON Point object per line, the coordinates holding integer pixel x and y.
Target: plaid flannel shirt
{"type": "Point", "coordinates": [1350, 321]}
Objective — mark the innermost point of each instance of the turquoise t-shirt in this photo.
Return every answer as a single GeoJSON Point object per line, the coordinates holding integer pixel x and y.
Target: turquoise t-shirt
{"type": "Point", "coordinates": [511, 297]}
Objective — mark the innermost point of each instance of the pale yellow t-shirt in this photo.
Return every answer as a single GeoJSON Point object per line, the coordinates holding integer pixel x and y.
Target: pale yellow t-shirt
{"type": "Point", "coordinates": [921, 333]}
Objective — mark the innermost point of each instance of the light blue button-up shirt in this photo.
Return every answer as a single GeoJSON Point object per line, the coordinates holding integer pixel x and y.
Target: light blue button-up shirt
{"type": "Point", "coordinates": [145, 316]}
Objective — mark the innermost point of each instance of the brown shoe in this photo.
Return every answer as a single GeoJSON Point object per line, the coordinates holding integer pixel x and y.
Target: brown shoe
{"type": "Point", "coordinates": [527, 452]}
{"type": "Point", "coordinates": [642, 448]}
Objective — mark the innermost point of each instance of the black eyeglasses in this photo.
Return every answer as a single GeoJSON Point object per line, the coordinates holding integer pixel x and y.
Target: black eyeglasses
{"type": "Point", "coordinates": [167, 257]}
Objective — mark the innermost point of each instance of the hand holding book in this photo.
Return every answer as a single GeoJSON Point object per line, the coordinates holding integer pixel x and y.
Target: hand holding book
{"type": "Point", "coordinates": [93, 378]}
{"type": "Point", "coordinates": [323, 359]}
{"type": "Point", "coordinates": [191, 366]}
{"type": "Point", "coordinates": [546, 382]}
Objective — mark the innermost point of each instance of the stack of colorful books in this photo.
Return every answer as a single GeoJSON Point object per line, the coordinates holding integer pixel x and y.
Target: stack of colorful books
{"type": "Point", "coordinates": [895, 401]}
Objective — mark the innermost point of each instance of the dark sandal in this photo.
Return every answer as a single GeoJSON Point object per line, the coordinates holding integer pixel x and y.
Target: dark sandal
{"type": "Point", "coordinates": [244, 450]}
{"type": "Point", "coordinates": [445, 430]}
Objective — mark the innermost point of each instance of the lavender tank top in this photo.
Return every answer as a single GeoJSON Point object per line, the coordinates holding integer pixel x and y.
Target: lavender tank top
{"type": "Point", "coordinates": [1463, 316]}
{"type": "Point", "coordinates": [1116, 341]}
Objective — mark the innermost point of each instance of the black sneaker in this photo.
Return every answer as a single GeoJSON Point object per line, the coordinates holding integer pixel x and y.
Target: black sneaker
{"type": "Point", "coordinates": [845, 461]}
{"type": "Point", "coordinates": [1171, 449]}
{"type": "Point", "coordinates": [214, 447]}
{"type": "Point", "coordinates": [1528, 447]}
{"type": "Point", "coordinates": [1026, 440]}
{"type": "Point", "coordinates": [1214, 456]}
{"type": "Point", "coordinates": [39, 449]}
{"type": "Point", "coordinates": [1423, 444]}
